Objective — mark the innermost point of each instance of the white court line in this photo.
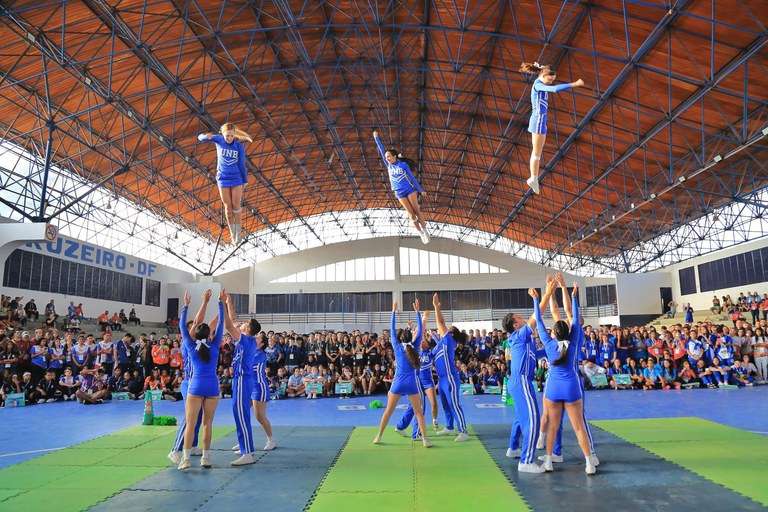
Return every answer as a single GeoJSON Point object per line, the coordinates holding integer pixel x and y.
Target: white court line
{"type": "Point", "coordinates": [758, 432]}
{"type": "Point", "coordinates": [32, 451]}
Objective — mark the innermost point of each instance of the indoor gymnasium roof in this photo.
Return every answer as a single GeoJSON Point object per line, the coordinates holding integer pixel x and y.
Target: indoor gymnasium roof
{"type": "Point", "coordinates": [669, 129]}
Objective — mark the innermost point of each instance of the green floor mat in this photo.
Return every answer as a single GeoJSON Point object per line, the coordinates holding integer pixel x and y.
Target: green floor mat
{"type": "Point", "coordinates": [402, 475]}
{"type": "Point", "coordinates": [716, 452]}
{"type": "Point", "coordinates": [75, 457]}
{"type": "Point", "coordinates": [76, 478]}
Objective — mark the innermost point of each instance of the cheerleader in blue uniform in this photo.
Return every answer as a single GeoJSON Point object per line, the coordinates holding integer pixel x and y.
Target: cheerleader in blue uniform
{"type": "Point", "coordinates": [203, 392]}
{"type": "Point", "coordinates": [405, 381]}
{"type": "Point", "coordinates": [447, 374]}
{"type": "Point", "coordinates": [404, 184]}
{"type": "Point", "coordinates": [562, 390]}
{"type": "Point", "coordinates": [557, 451]}
{"type": "Point", "coordinates": [537, 125]}
{"type": "Point", "coordinates": [260, 395]}
{"type": "Point", "coordinates": [425, 383]}
{"type": "Point", "coordinates": [178, 444]}
{"type": "Point", "coordinates": [232, 175]}
{"type": "Point", "coordinates": [522, 367]}
{"type": "Point", "coordinates": [242, 382]}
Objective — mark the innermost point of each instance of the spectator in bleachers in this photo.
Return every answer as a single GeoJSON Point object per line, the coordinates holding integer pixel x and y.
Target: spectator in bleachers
{"type": "Point", "coordinates": [672, 305]}
{"type": "Point", "coordinates": [296, 385]}
{"type": "Point", "coordinates": [225, 381]}
{"type": "Point", "coordinates": [115, 323]}
{"type": "Point", "coordinates": [80, 312]}
{"type": "Point", "coordinates": [68, 384]}
{"type": "Point", "coordinates": [30, 310]}
{"type": "Point", "coordinates": [103, 321]}
{"type": "Point", "coordinates": [132, 318]}
{"type": "Point", "coordinates": [161, 354]}
{"type": "Point", "coordinates": [50, 309]}
{"type": "Point", "coordinates": [688, 313]}
{"type": "Point", "coordinates": [716, 308]}
{"type": "Point", "coordinates": [760, 347]}
{"type": "Point", "coordinates": [38, 354]}
{"type": "Point", "coordinates": [48, 388]}
{"type": "Point", "coordinates": [93, 387]}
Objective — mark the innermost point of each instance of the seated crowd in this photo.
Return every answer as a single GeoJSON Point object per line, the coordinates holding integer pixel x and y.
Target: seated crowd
{"type": "Point", "coordinates": [47, 364]}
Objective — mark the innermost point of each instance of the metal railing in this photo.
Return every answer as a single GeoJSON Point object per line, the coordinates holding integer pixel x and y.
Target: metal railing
{"type": "Point", "coordinates": [383, 317]}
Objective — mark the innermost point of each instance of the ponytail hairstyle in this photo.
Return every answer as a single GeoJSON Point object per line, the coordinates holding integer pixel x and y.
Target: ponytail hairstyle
{"type": "Point", "coordinates": [201, 333]}
{"type": "Point", "coordinates": [254, 327]}
{"type": "Point", "coordinates": [413, 357]}
{"type": "Point", "coordinates": [532, 68]}
{"type": "Point", "coordinates": [459, 336]}
{"type": "Point", "coordinates": [411, 164]}
{"type": "Point", "coordinates": [238, 133]}
{"type": "Point", "coordinates": [562, 332]}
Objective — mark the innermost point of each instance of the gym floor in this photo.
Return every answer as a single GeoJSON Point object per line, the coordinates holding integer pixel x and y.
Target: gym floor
{"type": "Point", "coordinates": [669, 450]}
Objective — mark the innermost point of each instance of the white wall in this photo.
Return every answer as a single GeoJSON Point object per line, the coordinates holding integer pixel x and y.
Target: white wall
{"type": "Point", "coordinates": [638, 294]}
{"type": "Point", "coordinates": [522, 274]}
{"type": "Point", "coordinates": [703, 301]}
{"type": "Point", "coordinates": [89, 254]}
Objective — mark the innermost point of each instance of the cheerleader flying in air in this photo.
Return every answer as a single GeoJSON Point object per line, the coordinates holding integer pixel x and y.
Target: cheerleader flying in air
{"type": "Point", "coordinates": [405, 381]}
{"type": "Point", "coordinates": [404, 184]}
{"type": "Point", "coordinates": [537, 126]}
{"type": "Point", "coordinates": [232, 175]}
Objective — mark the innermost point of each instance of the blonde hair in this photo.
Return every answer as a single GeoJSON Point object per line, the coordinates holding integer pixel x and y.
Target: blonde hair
{"type": "Point", "coordinates": [238, 133]}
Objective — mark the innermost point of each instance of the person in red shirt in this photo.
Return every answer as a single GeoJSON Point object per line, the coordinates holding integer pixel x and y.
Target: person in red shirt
{"type": "Point", "coordinates": [678, 351]}
{"type": "Point", "coordinates": [104, 321]}
{"type": "Point", "coordinates": [764, 306]}
{"type": "Point", "coordinates": [177, 362]}
{"type": "Point", "coordinates": [153, 381]}
{"type": "Point", "coordinates": [657, 348]}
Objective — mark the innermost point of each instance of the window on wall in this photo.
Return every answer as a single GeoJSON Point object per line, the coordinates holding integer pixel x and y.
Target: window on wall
{"type": "Point", "coordinates": [241, 301]}
{"type": "Point", "coordinates": [323, 302]}
{"type": "Point", "coordinates": [739, 270]}
{"type": "Point", "coordinates": [417, 262]}
{"type": "Point", "coordinates": [32, 271]}
{"type": "Point", "coordinates": [687, 280]}
{"type": "Point", "coordinates": [152, 296]}
{"type": "Point", "coordinates": [378, 268]}
{"type": "Point", "coordinates": [603, 295]}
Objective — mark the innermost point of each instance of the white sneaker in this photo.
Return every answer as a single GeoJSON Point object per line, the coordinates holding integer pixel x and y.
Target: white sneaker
{"type": "Point", "coordinates": [205, 462]}
{"type": "Point", "coordinates": [244, 460]}
{"type": "Point", "coordinates": [463, 436]}
{"type": "Point", "coordinates": [270, 446]}
{"type": "Point", "coordinates": [542, 442]}
{"type": "Point", "coordinates": [401, 432]}
{"type": "Point", "coordinates": [594, 460]}
{"type": "Point", "coordinates": [547, 464]}
{"type": "Point", "coordinates": [514, 454]}
{"type": "Point", "coordinates": [555, 458]}
{"type": "Point", "coordinates": [175, 457]}
{"type": "Point", "coordinates": [41, 401]}
{"type": "Point", "coordinates": [534, 184]}
{"type": "Point", "coordinates": [590, 468]}
{"type": "Point", "coordinates": [184, 464]}
{"type": "Point", "coordinates": [444, 432]}
{"type": "Point", "coordinates": [50, 400]}
{"type": "Point", "coordinates": [236, 448]}
{"type": "Point", "coordinates": [424, 236]}
{"type": "Point", "coordinates": [434, 424]}
{"type": "Point", "coordinates": [530, 468]}
{"type": "Point", "coordinates": [196, 451]}
{"type": "Point", "coordinates": [426, 443]}
{"type": "Point", "coordinates": [377, 440]}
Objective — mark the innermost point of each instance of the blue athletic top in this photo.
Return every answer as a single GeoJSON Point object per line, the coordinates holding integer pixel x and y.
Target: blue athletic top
{"type": "Point", "coordinates": [260, 366]}
{"type": "Point", "coordinates": [56, 363]}
{"type": "Point", "coordinates": [230, 162]}
{"type": "Point", "coordinates": [522, 362]}
{"type": "Point", "coordinates": [427, 361]}
{"type": "Point", "coordinates": [185, 362]}
{"type": "Point", "coordinates": [567, 370]}
{"type": "Point", "coordinates": [402, 364]}
{"type": "Point", "coordinates": [122, 351]}
{"type": "Point", "coordinates": [539, 94]}
{"type": "Point", "coordinates": [724, 353]}
{"type": "Point", "coordinates": [201, 369]}
{"type": "Point", "coordinates": [400, 175]}
{"type": "Point", "coordinates": [38, 355]}
{"type": "Point", "coordinates": [445, 354]}
{"type": "Point", "coordinates": [243, 356]}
